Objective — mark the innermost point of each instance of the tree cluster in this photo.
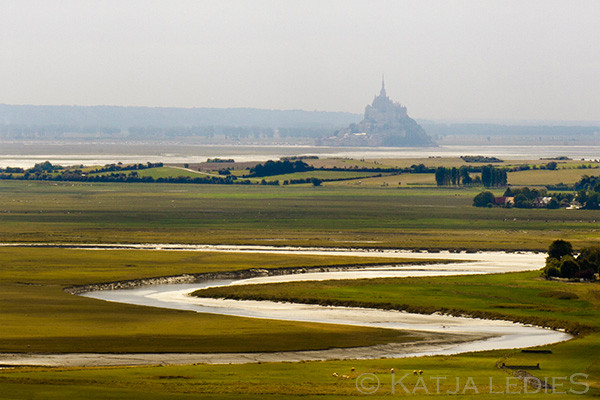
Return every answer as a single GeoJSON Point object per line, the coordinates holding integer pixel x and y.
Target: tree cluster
{"type": "Point", "coordinates": [453, 176]}
{"type": "Point", "coordinates": [220, 160]}
{"type": "Point", "coordinates": [525, 198]}
{"type": "Point", "coordinates": [481, 159]}
{"type": "Point", "coordinates": [562, 262]}
{"type": "Point", "coordinates": [46, 166]}
{"type": "Point", "coordinates": [588, 194]}
{"type": "Point", "coordinates": [530, 198]}
{"type": "Point", "coordinates": [493, 177]}
{"type": "Point", "coordinates": [12, 170]}
{"type": "Point", "coordinates": [279, 168]}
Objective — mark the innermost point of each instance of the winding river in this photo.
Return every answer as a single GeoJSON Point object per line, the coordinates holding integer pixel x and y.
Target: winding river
{"type": "Point", "coordinates": [464, 334]}
{"type": "Point", "coordinates": [433, 334]}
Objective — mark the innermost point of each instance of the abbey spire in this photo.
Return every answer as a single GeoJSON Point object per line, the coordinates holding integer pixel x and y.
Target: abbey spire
{"type": "Point", "coordinates": [382, 92]}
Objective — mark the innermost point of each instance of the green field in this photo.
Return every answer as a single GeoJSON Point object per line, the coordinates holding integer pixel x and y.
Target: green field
{"type": "Point", "coordinates": [162, 172]}
{"type": "Point", "coordinates": [546, 177]}
{"type": "Point", "coordinates": [396, 180]}
{"type": "Point", "coordinates": [166, 172]}
{"type": "Point", "coordinates": [309, 216]}
{"type": "Point", "coordinates": [319, 175]}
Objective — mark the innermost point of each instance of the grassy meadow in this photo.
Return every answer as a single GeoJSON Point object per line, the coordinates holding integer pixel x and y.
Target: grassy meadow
{"type": "Point", "coordinates": [337, 216]}
{"type": "Point", "coordinates": [320, 175]}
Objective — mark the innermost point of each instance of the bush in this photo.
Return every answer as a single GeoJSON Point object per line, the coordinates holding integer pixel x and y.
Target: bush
{"type": "Point", "coordinates": [521, 201]}
{"type": "Point", "coordinates": [568, 267]}
{"type": "Point", "coordinates": [560, 248]}
{"type": "Point", "coordinates": [553, 204]}
{"type": "Point", "coordinates": [586, 274]}
{"type": "Point", "coordinates": [589, 258]}
{"type": "Point", "coordinates": [484, 199]}
{"type": "Point", "coordinates": [551, 271]}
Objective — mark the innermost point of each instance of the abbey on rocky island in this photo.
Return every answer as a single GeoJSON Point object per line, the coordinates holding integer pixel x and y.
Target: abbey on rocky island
{"type": "Point", "coordinates": [386, 123]}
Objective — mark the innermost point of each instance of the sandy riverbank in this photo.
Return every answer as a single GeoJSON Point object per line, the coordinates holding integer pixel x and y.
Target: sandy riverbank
{"type": "Point", "coordinates": [424, 343]}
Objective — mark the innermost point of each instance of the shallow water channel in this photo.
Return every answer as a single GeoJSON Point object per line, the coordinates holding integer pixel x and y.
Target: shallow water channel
{"type": "Point", "coordinates": [486, 334]}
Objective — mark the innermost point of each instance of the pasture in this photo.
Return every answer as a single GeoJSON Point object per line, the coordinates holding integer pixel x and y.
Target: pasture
{"type": "Point", "coordinates": [335, 216]}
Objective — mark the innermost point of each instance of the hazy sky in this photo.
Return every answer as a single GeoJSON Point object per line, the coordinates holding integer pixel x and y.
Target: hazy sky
{"type": "Point", "coordinates": [514, 60]}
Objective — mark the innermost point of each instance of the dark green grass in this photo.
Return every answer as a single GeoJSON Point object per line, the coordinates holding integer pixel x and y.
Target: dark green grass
{"type": "Point", "coordinates": [330, 216]}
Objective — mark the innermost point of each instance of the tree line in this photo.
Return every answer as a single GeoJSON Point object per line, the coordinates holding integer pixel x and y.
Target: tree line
{"type": "Point", "coordinates": [77, 176]}
{"type": "Point", "coordinates": [490, 176]}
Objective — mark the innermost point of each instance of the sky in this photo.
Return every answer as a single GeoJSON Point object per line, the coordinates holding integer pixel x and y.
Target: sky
{"type": "Point", "coordinates": [444, 60]}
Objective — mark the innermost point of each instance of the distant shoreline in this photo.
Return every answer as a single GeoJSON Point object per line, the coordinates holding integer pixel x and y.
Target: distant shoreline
{"type": "Point", "coordinates": [26, 154]}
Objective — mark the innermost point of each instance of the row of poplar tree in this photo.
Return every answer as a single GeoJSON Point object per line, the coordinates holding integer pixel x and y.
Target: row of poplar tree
{"type": "Point", "coordinates": [490, 177]}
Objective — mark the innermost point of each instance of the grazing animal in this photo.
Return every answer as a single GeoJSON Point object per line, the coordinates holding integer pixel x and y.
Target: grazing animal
{"type": "Point", "coordinates": [415, 372]}
{"type": "Point", "coordinates": [352, 369]}
{"type": "Point", "coordinates": [335, 374]}
{"type": "Point", "coordinates": [420, 372]}
{"type": "Point", "coordinates": [391, 370]}
{"type": "Point", "coordinates": [345, 377]}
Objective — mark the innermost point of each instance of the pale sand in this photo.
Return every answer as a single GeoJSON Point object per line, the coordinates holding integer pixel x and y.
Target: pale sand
{"type": "Point", "coordinates": [426, 344]}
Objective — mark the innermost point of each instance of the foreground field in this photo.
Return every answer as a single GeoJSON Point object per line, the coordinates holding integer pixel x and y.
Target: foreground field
{"type": "Point", "coordinates": [308, 216]}
{"type": "Point", "coordinates": [519, 293]}
{"type": "Point", "coordinates": [38, 316]}
{"type": "Point", "coordinates": [312, 380]}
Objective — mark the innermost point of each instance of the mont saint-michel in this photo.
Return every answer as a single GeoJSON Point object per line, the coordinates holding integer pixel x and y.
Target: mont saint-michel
{"type": "Point", "coordinates": [386, 123]}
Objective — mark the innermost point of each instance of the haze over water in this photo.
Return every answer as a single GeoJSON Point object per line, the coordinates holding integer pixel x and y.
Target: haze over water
{"type": "Point", "coordinates": [27, 156]}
